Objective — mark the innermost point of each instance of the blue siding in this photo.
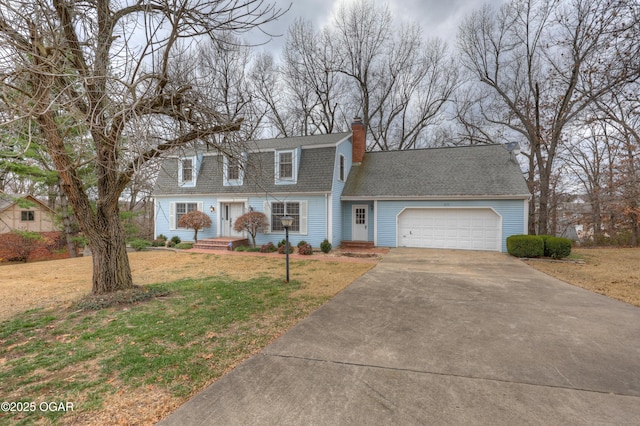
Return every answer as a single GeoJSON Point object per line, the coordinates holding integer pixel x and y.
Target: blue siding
{"type": "Point", "coordinates": [512, 212]}
{"type": "Point", "coordinates": [347, 219]}
{"type": "Point", "coordinates": [345, 149]}
{"type": "Point", "coordinates": [316, 220]}
{"type": "Point", "coordinates": [163, 217]}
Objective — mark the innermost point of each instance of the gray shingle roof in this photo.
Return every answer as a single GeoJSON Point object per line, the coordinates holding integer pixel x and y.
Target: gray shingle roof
{"type": "Point", "coordinates": [478, 170]}
{"type": "Point", "coordinates": [315, 174]}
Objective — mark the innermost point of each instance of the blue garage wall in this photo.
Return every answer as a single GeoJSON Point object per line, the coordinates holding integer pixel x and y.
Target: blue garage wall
{"type": "Point", "coordinates": [512, 212]}
{"type": "Point", "coordinates": [347, 219]}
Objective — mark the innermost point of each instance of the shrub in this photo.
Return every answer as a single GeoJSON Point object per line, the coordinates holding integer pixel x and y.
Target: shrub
{"type": "Point", "coordinates": [557, 247]}
{"type": "Point", "coordinates": [195, 220]}
{"type": "Point", "coordinates": [158, 243]}
{"type": "Point", "coordinates": [162, 237]}
{"type": "Point", "coordinates": [268, 248]}
{"type": "Point", "coordinates": [282, 243]}
{"type": "Point", "coordinates": [305, 249]}
{"type": "Point", "coordinates": [301, 243]}
{"type": "Point", "coordinates": [544, 240]}
{"type": "Point", "coordinates": [252, 222]}
{"type": "Point", "coordinates": [525, 246]}
{"type": "Point", "coordinates": [247, 249]}
{"type": "Point", "coordinates": [184, 246]}
{"type": "Point", "coordinates": [20, 244]}
{"type": "Point", "coordinates": [139, 244]}
{"type": "Point", "coordinates": [325, 246]}
{"type": "Point", "coordinates": [175, 240]}
{"type": "Point", "coordinates": [283, 248]}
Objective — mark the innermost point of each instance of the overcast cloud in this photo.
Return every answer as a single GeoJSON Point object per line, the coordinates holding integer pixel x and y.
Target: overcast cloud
{"type": "Point", "coordinates": [438, 18]}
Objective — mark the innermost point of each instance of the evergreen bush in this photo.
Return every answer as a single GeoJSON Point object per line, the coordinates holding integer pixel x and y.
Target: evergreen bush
{"type": "Point", "coordinates": [557, 247]}
{"type": "Point", "coordinates": [525, 245]}
{"type": "Point", "coordinates": [325, 246]}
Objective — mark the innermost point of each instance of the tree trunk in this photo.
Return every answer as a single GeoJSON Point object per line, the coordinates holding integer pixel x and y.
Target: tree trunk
{"type": "Point", "coordinates": [543, 206]}
{"type": "Point", "coordinates": [66, 223]}
{"type": "Point", "coordinates": [111, 270]}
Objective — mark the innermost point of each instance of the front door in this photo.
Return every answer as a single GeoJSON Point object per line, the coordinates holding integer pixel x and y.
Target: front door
{"type": "Point", "coordinates": [359, 214]}
{"type": "Point", "coordinates": [229, 212]}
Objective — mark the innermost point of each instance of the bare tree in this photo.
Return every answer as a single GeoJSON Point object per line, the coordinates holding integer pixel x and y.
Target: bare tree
{"type": "Point", "coordinates": [545, 63]}
{"type": "Point", "coordinates": [268, 89]}
{"type": "Point", "coordinates": [621, 112]}
{"type": "Point", "coordinates": [109, 68]}
{"type": "Point", "coordinates": [587, 155]}
{"type": "Point", "coordinates": [252, 222]}
{"type": "Point", "coordinates": [399, 82]}
{"type": "Point", "coordinates": [195, 220]}
{"type": "Point", "coordinates": [313, 82]}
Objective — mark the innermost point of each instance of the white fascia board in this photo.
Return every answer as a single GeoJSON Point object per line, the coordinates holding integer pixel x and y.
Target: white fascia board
{"type": "Point", "coordinates": [244, 194]}
{"type": "Point", "coordinates": [436, 197]}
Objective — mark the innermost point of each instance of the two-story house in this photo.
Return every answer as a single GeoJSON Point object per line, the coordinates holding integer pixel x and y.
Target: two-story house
{"type": "Point", "coordinates": [470, 197]}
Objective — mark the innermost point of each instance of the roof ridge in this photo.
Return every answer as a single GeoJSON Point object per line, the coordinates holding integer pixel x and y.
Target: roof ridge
{"type": "Point", "coordinates": [436, 148]}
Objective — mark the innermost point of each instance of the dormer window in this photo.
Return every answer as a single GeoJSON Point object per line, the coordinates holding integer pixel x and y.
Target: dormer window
{"type": "Point", "coordinates": [286, 165]}
{"type": "Point", "coordinates": [186, 171]}
{"type": "Point", "coordinates": [233, 173]}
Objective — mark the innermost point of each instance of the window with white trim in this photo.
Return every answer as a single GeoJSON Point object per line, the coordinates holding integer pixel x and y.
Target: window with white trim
{"type": "Point", "coordinates": [280, 209]}
{"type": "Point", "coordinates": [233, 169]}
{"type": "Point", "coordinates": [233, 173]}
{"type": "Point", "coordinates": [184, 208]}
{"type": "Point", "coordinates": [285, 165]}
{"type": "Point", "coordinates": [186, 171]}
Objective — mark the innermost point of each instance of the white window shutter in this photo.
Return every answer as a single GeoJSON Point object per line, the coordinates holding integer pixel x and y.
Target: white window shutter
{"type": "Point", "coordinates": [200, 206]}
{"type": "Point", "coordinates": [267, 211]}
{"type": "Point", "coordinates": [303, 217]}
{"type": "Point", "coordinates": [172, 215]}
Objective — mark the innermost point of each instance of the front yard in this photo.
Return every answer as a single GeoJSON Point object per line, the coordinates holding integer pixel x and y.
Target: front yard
{"type": "Point", "coordinates": [614, 272]}
{"type": "Point", "coordinates": [134, 364]}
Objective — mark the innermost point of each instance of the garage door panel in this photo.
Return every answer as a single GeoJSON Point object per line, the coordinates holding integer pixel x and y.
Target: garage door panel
{"type": "Point", "coordinates": [471, 229]}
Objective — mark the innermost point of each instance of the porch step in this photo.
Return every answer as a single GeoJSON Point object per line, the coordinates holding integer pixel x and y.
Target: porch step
{"type": "Point", "coordinates": [350, 245]}
{"type": "Point", "coordinates": [220, 243]}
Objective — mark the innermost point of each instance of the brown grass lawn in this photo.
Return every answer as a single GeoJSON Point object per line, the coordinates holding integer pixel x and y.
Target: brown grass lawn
{"type": "Point", "coordinates": [55, 285]}
{"type": "Point", "coordinates": [614, 272]}
{"type": "Point", "coordinates": [59, 283]}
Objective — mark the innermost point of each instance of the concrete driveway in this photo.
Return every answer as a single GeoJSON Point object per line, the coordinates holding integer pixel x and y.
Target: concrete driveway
{"type": "Point", "coordinates": [441, 337]}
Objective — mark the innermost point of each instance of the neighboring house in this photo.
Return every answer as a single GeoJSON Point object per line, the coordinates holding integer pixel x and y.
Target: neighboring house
{"type": "Point", "coordinates": [30, 216]}
{"type": "Point", "coordinates": [470, 197]}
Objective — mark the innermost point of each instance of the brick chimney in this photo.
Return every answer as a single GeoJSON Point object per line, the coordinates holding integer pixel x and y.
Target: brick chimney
{"type": "Point", "coordinates": [358, 140]}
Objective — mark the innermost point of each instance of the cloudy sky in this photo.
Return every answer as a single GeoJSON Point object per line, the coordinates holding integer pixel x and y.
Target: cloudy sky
{"type": "Point", "coordinates": [438, 18]}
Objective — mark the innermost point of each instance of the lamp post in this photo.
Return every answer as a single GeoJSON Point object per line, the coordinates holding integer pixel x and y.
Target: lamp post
{"type": "Point", "coordinates": [287, 221]}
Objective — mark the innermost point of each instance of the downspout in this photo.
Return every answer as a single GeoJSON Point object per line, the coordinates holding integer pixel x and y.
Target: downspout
{"type": "Point", "coordinates": [327, 233]}
{"type": "Point", "coordinates": [375, 223]}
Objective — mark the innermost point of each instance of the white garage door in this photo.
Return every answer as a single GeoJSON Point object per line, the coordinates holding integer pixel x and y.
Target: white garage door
{"type": "Point", "coordinates": [466, 229]}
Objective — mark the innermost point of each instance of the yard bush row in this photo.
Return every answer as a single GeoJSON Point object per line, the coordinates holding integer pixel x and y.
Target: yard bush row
{"type": "Point", "coordinates": [22, 246]}
{"type": "Point", "coordinates": [538, 246]}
